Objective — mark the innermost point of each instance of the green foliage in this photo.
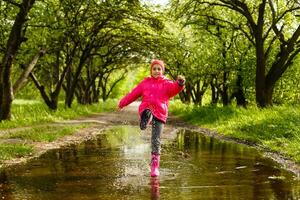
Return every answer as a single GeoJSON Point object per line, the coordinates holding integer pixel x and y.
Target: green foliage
{"type": "Point", "coordinates": [134, 76]}
{"type": "Point", "coordinates": [276, 128]}
{"type": "Point", "coordinates": [194, 38]}
{"type": "Point", "coordinates": [288, 87]}
{"type": "Point", "coordinates": [96, 40]}
{"type": "Point", "coordinates": [229, 27]}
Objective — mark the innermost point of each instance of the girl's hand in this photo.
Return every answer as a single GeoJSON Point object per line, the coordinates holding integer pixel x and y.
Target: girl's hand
{"type": "Point", "coordinates": [181, 80]}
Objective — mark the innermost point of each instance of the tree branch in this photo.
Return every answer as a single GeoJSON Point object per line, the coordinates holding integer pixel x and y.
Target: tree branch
{"type": "Point", "coordinates": [115, 83]}
{"type": "Point", "coordinates": [243, 9]}
{"type": "Point", "coordinates": [23, 77]}
{"type": "Point", "coordinates": [268, 50]}
{"type": "Point", "coordinates": [274, 22]}
{"type": "Point", "coordinates": [294, 37]}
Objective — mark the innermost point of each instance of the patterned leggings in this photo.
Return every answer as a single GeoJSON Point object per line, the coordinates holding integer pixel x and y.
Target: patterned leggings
{"type": "Point", "coordinates": [157, 129]}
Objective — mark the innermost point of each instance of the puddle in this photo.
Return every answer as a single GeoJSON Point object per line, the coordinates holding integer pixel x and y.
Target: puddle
{"type": "Point", "coordinates": [116, 166]}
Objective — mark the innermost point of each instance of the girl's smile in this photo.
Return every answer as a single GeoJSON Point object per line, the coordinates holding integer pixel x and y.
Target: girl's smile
{"type": "Point", "coordinates": [156, 71]}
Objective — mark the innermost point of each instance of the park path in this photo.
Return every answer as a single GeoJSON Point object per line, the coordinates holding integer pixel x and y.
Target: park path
{"type": "Point", "coordinates": [114, 164]}
{"type": "Point", "coordinates": [128, 116]}
{"type": "Point", "coordinates": [98, 123]}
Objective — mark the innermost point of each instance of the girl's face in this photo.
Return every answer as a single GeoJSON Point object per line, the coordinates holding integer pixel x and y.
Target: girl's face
{"type": "Point", "coordinates": [156, 71]}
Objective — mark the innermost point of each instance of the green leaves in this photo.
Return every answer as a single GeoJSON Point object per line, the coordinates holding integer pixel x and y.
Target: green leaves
{"type": "Point", "coordinates": [236, 27]}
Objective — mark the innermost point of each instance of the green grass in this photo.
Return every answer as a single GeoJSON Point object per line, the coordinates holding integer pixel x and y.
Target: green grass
{"type": "Point", "coordinates": [9, 151]}
{"type": "Point", "coordinates": [27, 113]}
{"type": "Point", "coordinates": [277, 128]}
{"type": "Point", "coordinates": [43, 133]}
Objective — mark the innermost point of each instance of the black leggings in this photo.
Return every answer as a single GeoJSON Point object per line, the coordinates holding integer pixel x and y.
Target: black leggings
{"type": "Point", "coordinates": [157, 129]}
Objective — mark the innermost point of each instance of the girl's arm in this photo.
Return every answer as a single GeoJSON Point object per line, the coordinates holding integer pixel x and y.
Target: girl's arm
{"type": "Point", "coordinates": [174, 87]}
{"type": "Point", "coordinates": [131, 97]}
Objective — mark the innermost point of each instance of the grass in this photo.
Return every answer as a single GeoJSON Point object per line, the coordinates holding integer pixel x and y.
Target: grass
{"type": "Point", "coordinates": [28, 113]}
{"type": "Point", "coordinates": [43, 133]}
{"type": "Point", "coordinates": [32, 120]}
{"type": "Point", "coordinates": [9, 151]}
{"type": "Point", "coordinates": [276, 128]}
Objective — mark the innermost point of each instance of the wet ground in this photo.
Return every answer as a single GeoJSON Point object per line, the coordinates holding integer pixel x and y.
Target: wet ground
{"type": "Point", "coordinates": [116, 166]}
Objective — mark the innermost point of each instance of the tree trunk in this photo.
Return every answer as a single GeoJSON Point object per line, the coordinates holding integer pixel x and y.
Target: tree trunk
{"type": "Point", "coordinates": [95, 96]}
{"type": "Point", "coordinates": [41, 88]}
{"type": "Point", "coordinates": [14, 41]}
{"type": "Point", "coordinates": [260, 87]}
{"type": "Point", "coordinates": [260, 82]}
{"type": "Point", "coordinates": [187, 98]}
{"type": "Point", "coordinates": [97, 92]}
{"type": "Point", "coordinates": [185, 95]}
{"type": "Point", "coordinates": [69, 63]}
{"type": "Point", "coordinates": [199, 91]}
{"type": "Point", "coordinates": [51, 102]}
{"type": "Point", "coordinates": [26, 72]}
{"type": "Point", "coordinates": [71, 90]}
{"type": "Point", "coordinates": [80, 92]}
{"type": "Point", "coordinates": [239, 93]}
{"type": "Point", "coordinates": [284, 59]}
{"type": "Point", "coordinates": [224, 92]}
{"type": "Point", "coordinates": [104, 97]}
{"type": "Point", "coordinates": [214, 92]}
{"type": "Point", "coordinates": [68, 84]}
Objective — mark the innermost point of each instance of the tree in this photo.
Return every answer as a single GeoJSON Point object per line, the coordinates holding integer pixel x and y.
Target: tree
{"type": "Point", "coordinates": [180, 50]}
{"type": "Point", "coordinates": [271, 26]}
{"type": "Point", "coordinates": [15, 39]}
{"type": "Point", "coordinates": [111, 31]}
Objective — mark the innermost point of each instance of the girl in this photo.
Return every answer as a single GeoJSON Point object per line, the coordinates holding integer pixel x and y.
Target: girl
{"type": "Point", "coordinates": [155, 90]}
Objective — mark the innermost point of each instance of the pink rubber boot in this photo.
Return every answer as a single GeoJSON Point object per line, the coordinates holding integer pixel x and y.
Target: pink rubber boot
{"type": "Point", "coordinates": [154, 164]}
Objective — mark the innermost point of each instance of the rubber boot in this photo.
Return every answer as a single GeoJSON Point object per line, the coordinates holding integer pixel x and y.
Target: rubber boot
{"type": "Point", "coordinates": [155, 164]}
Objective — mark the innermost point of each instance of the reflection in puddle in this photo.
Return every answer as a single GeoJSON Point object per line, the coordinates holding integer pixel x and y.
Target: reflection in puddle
{"type": "Point", "coordinates": [116, 166]}
{"type": "Point", "coordinates": [154, 183]}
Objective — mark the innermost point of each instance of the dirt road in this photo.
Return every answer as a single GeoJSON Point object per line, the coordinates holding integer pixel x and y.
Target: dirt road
{"type": "Point", "coordinates": [129, 116]}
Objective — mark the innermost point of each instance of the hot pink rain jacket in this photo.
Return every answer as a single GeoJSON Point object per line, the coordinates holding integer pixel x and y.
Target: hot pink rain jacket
{"type": "Point", "coordinates": [155, 93]}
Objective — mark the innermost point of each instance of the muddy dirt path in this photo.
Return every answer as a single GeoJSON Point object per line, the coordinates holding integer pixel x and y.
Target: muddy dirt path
{"type": "Point", "coordinates": [128, 116]}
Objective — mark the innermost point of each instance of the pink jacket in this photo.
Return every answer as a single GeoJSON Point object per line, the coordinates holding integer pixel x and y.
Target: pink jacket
{"type": "Point", "coordinates": [155, 93]}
